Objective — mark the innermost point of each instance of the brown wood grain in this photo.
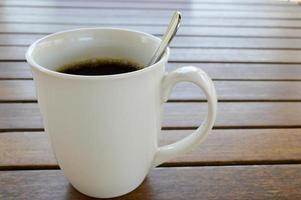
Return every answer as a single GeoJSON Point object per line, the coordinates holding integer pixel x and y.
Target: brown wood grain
{"type": "Point", "coordinates": [241, 146]}
{"type": "Point", "coordinates": [151, 5]}
{"type": "Point", "coordinates": [240, 91]}
{"type": "Point", "coordinates": [242, 182]}
{"type": "Point", "coordinates": [236, 22]}
{"type": "Point", "coordinates": [234, 114]}
{"type": "Point", "coordinates": [252, 50]}
{"type": "Point", "coordinates": [278, 13]}
{"type": "Point", "coordinates": [30, 149]}
{"type": "Point", "coordinates": [17, 28]}
{"type": "Point", "coordinates": [19, 116]}
{"type": "Point", "coordinates": [222, 147]}
{"type": "Point", "coordinates": [16, 116]}
{"type": "Point", "coordinates": [24, 90]}
{"type": "Point", "coordinates": [231, 71]}
{"type": "Point", "coordinates": [8, 53]}
{"type": "Point", "coordinates": [188, 42]}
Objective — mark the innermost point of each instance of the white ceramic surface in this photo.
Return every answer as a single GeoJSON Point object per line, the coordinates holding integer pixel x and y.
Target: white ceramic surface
{"type": "Point", "coordinates": [104, 129]}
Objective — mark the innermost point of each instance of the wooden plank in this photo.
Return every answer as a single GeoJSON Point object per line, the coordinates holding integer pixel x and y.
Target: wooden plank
{"type": "Point", "coordinates": [11, 70]}
{"type": "Point", "coordinates": [235, 55]}
{"type": "Point", "coordinates": [234, 115]}
{"type": "Point", "coordinates": [243, 182]}
{"type": "Point", "coordinates": [30, 149]}
{"type": "Point", "coordinates": [184, 42]}
{"type": "Point", "coordinates": [18, 116]}
{"type": "Point", "coordinates": [150, 5]}
{"type": "Point", "coordinates": [248, 71]}
{"type": "Point", "coordinates": [197, 55]}
{"type": "Point", "coordinates": [223, 71]}
{"type": "Point", "coordinates": [242, 146]}
{"type": "Point", "coordinates": [222, 147]}
{"type": "Point", "coordinates": [24, 90]}
{"type": "Point", "coordinates": [12, 53]}
{"type": "Point", "coordinates": [251, 2]}
{"type": "Point", "coordinates": [184, 31]}
{"type": "Point", "coordinates": [232, 22]}
{"type": "Point", "coordinates": [150, 13]}
{"type": "Point", "coordinates": [19, 39]}
{"type": "Point", "coordinates": [239, 91]}
{"type": "Point", "coordinates": [232, 43]}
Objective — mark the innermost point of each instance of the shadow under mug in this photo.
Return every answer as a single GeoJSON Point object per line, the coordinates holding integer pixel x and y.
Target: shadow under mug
{"type": "Point", "coordinates": [104, 129]}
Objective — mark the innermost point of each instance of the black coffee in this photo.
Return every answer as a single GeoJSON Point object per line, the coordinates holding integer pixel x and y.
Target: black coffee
{"type": "Point", "coordinates": [96, 67]}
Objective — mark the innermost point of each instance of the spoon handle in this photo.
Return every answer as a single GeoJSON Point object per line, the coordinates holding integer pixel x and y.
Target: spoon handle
{"type": "Point", "coordinates": [167, 37]}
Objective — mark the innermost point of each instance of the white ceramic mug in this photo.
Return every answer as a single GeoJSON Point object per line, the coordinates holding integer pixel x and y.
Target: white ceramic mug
{"type": "Point", "coordinates": [104, 129]}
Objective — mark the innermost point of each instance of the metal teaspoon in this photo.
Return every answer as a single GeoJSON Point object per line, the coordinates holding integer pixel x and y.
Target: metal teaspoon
{"type": "Point", "coordinates": [171, 31]}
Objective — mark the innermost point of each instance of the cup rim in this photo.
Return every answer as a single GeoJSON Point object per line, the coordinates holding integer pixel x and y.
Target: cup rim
{"type": "Point", "coordinates": [44, 70]}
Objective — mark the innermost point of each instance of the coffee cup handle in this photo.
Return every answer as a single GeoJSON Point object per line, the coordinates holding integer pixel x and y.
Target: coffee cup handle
{"type": "Point", "coordinates": [201, 79]}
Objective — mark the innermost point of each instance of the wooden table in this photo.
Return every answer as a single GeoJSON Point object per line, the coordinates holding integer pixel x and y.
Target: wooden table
{"type": "Point", "coordinates": [252, 50]}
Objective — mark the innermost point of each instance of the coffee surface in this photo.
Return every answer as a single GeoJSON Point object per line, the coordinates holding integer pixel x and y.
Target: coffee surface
{"type": "Point", "coordinates": [96, 67]}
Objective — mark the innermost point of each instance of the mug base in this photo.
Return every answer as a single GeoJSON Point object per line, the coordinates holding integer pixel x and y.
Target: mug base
{"type": "Point", "coordinates": [103, 194]}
